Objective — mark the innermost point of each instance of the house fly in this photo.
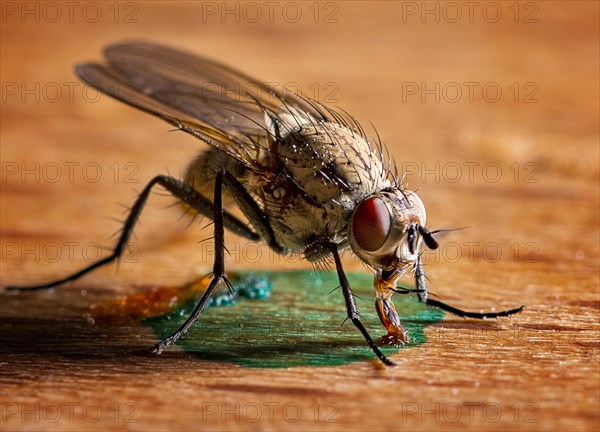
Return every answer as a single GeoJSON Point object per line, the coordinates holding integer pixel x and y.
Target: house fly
{"type": "Point", "coordinates": [308, 178]}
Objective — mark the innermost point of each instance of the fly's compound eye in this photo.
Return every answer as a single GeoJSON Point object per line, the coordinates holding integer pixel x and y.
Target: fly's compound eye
{"type": "Point", "coordinates": [371, 224]}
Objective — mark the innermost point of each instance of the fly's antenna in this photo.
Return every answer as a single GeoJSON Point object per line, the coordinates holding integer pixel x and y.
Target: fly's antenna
{"type": "Point", "coordinates": [428, 237]}
{"type": "Point", "coordinates": [449, 230]}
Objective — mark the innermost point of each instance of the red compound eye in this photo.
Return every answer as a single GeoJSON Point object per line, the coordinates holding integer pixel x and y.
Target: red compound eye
{"type": "Point", "coordinates": [371, 224]}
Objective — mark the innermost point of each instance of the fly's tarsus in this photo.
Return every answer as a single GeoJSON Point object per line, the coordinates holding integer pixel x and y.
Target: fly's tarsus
{"type": "Point", "coordinates": [466, 314]}
{"type": "Point", "coordinates": [423, 297]}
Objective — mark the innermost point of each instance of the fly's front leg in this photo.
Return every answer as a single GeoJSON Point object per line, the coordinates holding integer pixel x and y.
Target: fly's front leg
{"type": "Point", "coordinates": [218, 268]}
{"type": "Point", "coordinates": [422, 289]}
{"type": "Point", "coordinates": [387, 311]}
{"type": "Point", "coordinates": [351, 306]}
{"type": "Point", "coordinates": [177, 188]}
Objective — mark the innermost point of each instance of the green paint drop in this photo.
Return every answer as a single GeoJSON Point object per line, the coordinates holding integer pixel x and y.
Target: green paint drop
{"type": "Point", "coordinates": [298, 325]}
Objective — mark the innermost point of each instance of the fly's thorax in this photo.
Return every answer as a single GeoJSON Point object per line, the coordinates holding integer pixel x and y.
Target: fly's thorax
{"type": "Point", "coordinates": [383, 229]}
{"type": "Point", "coordinates": [329, 158]}
{"type": "Point", "coordinates": [324, 169]}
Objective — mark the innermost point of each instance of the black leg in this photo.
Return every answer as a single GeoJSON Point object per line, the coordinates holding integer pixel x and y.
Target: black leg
{"type": "Point", "coordinates": [218, 268]}
{"type": "Point", "coordinates": [256, 216]}
{"type": "Point", "coordinates": [402, 290]}
{"type": "Point", "coordinates": [180, 190]}
{"type": "Point", "coordinates": [422, 293]}
{"type": "Point", "coordinates": [478, 315]}
{"type": "Point", "coordinates": [351, 306]}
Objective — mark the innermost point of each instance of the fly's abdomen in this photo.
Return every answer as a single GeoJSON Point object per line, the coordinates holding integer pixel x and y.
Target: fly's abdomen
{"type": "Point", "coordinates": [201, 173]}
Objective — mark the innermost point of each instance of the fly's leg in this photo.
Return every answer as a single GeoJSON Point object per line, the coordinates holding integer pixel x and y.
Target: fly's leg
{"type": "Point", "coordinates": [218, 274]}
{"type": "Point", "coordinates": [201, 175]}
{"type": "Point", "coordinates": [180, 190]}
{"type": "Point", "coordinates": [388, 316]}
{"type": "Point", "coordinates": [256, 216]}
{"type": "Point", "coordinates": [422, 293]}
{"type": "Point", "coordinates": [351, 306]}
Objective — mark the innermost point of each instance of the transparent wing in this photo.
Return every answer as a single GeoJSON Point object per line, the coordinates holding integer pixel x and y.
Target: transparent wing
{"type": "Point", "coordinates": [207, 99]}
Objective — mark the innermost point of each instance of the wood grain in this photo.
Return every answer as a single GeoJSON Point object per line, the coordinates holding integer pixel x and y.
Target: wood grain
{"type": "Point", "coordinates": [69, 158]}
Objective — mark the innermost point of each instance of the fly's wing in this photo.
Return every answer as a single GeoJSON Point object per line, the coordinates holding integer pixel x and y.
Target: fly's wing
{"type": "Point", "coordinates": [221, 106]}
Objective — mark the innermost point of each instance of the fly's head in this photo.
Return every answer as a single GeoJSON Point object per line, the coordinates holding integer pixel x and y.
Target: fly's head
{"type": "Point", "coordinates": [387, 230]}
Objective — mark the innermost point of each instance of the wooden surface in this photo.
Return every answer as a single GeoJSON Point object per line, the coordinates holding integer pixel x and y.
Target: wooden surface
{"type": "Point", "coordinates": [537, 371]}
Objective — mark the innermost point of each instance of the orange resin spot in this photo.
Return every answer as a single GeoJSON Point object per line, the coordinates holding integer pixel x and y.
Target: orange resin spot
{"type": "Point", "coordinates": [158, 301]}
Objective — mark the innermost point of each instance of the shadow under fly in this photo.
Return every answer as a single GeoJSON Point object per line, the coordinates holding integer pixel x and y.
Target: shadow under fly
{"type": "Point", "coordinates": [307, 177]}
